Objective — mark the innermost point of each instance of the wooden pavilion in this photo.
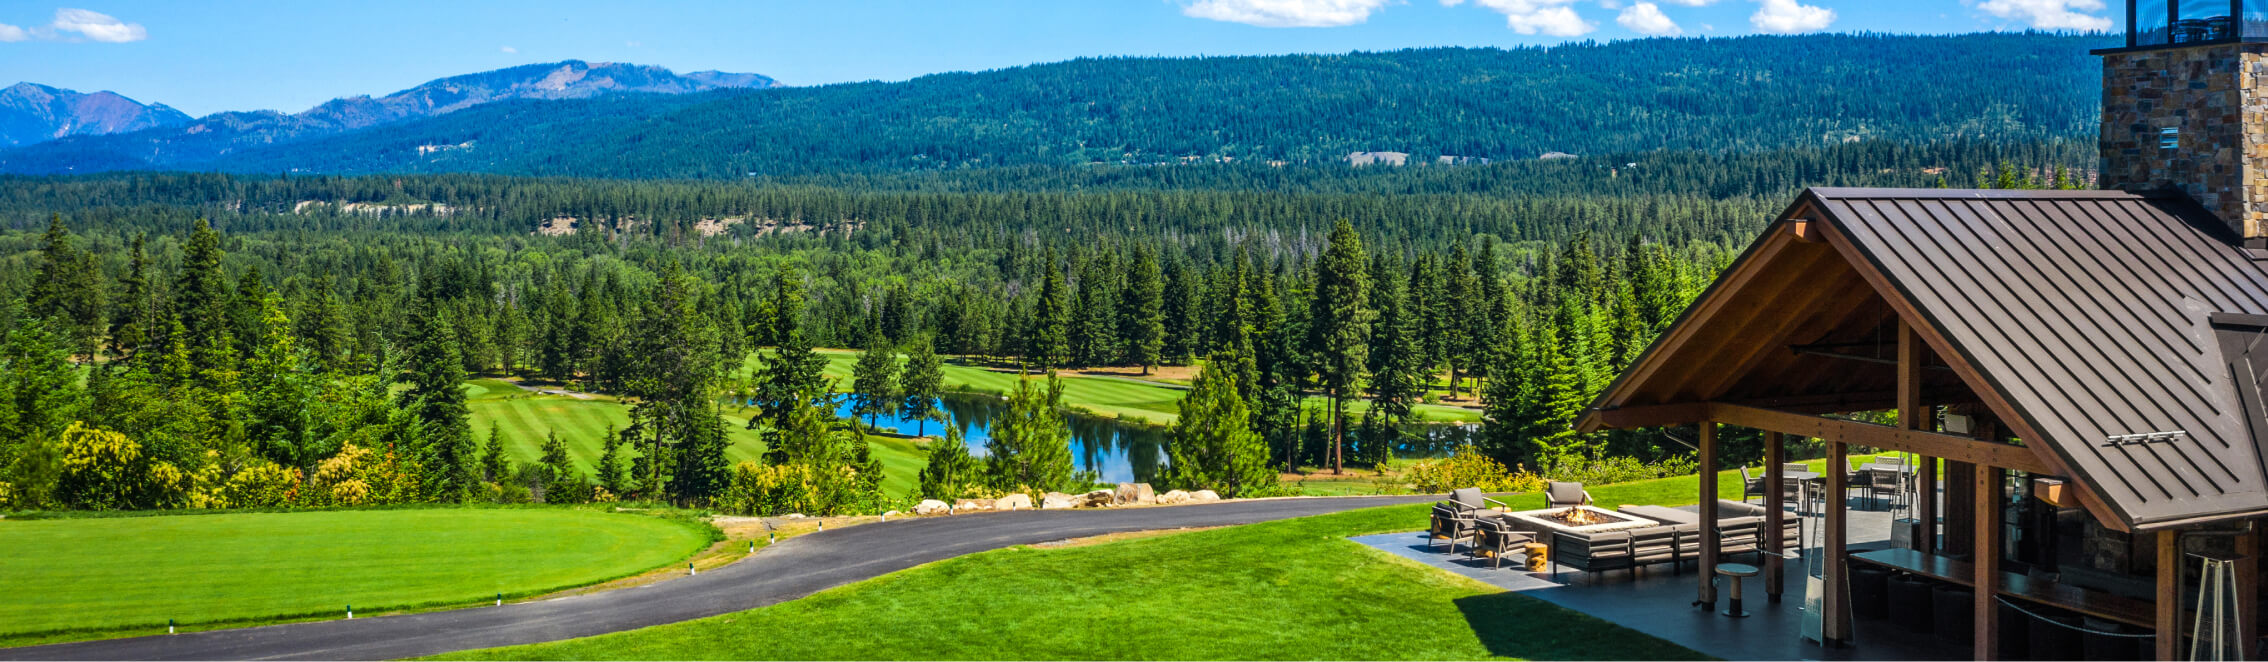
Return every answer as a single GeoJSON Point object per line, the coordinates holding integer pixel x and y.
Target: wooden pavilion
{"type": "Point", "coordinates": [2097, 344]}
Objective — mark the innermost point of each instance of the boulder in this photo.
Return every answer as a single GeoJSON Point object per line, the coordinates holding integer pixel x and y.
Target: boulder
{"type": "Point", "coordinates": [932, 507]}
{"type": "Point", "coordinates": [1057, 501]}
{"type": "Point", "coordinates": [1013, 502]}
{"type": "Point", "coordinates": [886, 515]}
{"type": "Point", "coordinates": [1173, 497]}
{"type": "Point", "coordinates": [1201, 496]}
{"type": "Point", "coordinates": [1133, 493]}
{"type": "Point", "coordinates": [1097, 499]}
{"type": "Point", "coordinates": [793, 516]}
{"type": "Point", "coordinates": [973, 504]}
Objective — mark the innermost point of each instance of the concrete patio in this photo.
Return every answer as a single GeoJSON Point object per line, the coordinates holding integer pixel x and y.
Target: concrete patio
{"type": "Point", "coordinates": [1657, 600]}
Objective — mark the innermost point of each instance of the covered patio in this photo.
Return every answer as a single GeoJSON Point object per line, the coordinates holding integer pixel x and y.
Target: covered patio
{"type": "Point", "coordinates": [2072, 369]}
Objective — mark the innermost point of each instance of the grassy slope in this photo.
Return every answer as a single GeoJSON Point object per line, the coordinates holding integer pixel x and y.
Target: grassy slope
{"type": "Point", "coordinates": [1294, 589]}
{"type": "Point", "coordinates": [114, 573]}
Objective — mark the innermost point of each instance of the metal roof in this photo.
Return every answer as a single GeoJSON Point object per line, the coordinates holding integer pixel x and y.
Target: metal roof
{"type": "Point", "coordinates": [2093, 314]}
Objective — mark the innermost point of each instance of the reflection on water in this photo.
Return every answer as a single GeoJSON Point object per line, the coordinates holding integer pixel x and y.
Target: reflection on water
{"type": "Point", "coordinates": [1119, 452]}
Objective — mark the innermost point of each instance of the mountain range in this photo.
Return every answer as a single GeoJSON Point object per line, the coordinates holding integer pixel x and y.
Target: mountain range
{"type": "Point", "coordinates": [30, 113]}
{"type": "Point", "coordinates": [111, 128]}
{"type": "Point", "coordinates": [1440, 105]}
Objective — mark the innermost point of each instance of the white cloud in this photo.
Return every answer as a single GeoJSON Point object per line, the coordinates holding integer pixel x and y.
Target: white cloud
{"type": "Point", "coordinates": [12, 33]}
{"type": "Point", "coordinates": [97, 26]}
{"type": "Point", "coordinates": [2050, 14]}
{"type": "Point", "coordinates": [1285, 13]}
{"type": "Point", "coordinates": [1692, 3]}
{"type": "Point", "coordinates": [1790, 17]}
{"type": "Point", "coordinates": [633, 43]}
{"type": "Point", "coordinates": [1551, 17]}
{"type": "Point", "coordinates": [507, 49]}
{"type": "Point", "coordinates": [1647, 18]}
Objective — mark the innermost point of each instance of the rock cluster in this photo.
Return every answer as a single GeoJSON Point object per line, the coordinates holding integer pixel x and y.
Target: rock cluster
{"type": "Point", "coordinates": [1126, 494]}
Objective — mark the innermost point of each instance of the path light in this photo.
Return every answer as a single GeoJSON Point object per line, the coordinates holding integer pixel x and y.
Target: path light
{"type": "Point", "coordinates": [752, 546]}
{"type": "Point", "coordinates": [169, 626]}
{"type": "Point", "coordinates": [822, 525]}
{"type": "Point", "coordinates": [689, 571]}
{"type": "Point", "coordinates": [499, 599]}
{"type": "Point", "coordinates": [775, 539]}
{"type": "Point", "coordinates": [350, 612]}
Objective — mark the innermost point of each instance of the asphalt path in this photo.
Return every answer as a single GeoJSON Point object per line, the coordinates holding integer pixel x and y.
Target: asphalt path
{"type": "Point", "coordinates": [791, 569]}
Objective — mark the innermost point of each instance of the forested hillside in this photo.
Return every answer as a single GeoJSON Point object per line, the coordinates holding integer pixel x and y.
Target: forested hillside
{"type": "Point", "coordinates": [1710, 95]}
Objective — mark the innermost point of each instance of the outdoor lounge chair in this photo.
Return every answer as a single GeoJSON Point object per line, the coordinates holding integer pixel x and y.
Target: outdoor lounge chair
{"type": "Point", "coordinates": [1498, 539]}
{"type": "Point", "coordinates": [1562, 495]}
{"type": "Point", "coordinates": [1740, 528]}
{"type": "Point", "coordinates": [1450, 523]}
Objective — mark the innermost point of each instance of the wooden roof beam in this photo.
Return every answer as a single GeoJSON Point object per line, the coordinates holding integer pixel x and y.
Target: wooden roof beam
{"type": "Point", "coordinates": [1932, 444]}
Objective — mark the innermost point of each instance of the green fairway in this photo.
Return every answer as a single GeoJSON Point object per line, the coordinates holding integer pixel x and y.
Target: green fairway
{"type": "Point", "coordinates": [110, 574]}
{"type": "Point", "coordinates": [1112, 397]}
{"type": "Point", "coordinates": [524, 418]}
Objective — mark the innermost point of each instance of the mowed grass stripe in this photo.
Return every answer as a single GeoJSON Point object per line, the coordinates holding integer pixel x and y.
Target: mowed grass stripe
{"type": "Point", "coordinates": [128, 572]}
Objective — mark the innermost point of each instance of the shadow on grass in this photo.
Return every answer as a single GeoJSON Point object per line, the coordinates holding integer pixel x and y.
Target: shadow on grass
{"type": "Point", "coordinates": [1516, 626]}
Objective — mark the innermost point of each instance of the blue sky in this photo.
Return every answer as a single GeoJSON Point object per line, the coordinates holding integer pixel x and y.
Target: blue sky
{"type": "Point", "coordinates": [289, 55]}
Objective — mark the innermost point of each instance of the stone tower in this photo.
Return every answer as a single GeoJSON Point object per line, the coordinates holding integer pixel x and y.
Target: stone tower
{"type": "Point", "coordinates": [2185, 106]}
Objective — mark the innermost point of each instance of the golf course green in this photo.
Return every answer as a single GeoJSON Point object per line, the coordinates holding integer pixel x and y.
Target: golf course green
{"type": "Point", "coordinates": [118, 573]}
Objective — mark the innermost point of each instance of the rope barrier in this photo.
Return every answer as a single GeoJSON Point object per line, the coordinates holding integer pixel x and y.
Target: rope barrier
{"type": "Point", "coordinates": [2027, 612]}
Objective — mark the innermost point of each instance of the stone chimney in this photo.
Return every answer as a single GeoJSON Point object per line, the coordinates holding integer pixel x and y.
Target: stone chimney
{"type": "Point", "coordinates": [2185, 107]}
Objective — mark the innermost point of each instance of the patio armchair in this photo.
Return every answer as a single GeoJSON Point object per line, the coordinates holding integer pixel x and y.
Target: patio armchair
{"type": "Point", "coordinates": [1498, 539]}
{"type": "Point", "coordinates": [1471, 499]}
{"type": "Point", "coordinates": [1559, 494]}
{"type": "Point", "coordinates": [1654, 544]}
{"type": "Point", "coordinates": [1753, 486]}
{"type": "Point", "coordinates": [1886, 484]}
{"type": "Point", "coordinates": [1452, 524]}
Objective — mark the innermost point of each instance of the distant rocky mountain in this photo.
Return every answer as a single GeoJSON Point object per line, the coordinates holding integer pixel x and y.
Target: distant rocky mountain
{"type": "Point", "coordinates": [184, 141]}
{"type": "Point", "coordinates": [30, 113]}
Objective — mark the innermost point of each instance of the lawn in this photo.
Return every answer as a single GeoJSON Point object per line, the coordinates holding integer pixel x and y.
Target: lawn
{"type": "Point", "coordinates": [105, 575]}
{"type": "Point", "coordinates": [1295, 589]}
{"type": "Point", "coordinates": [1288, 590]}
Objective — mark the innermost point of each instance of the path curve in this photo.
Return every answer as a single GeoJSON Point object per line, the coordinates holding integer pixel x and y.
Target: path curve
{"type": "Point", "coordinates": [786, 571]}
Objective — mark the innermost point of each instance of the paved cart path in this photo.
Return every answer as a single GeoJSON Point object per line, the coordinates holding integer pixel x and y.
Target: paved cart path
{"type": "Point", "coordinates": [792, 569]}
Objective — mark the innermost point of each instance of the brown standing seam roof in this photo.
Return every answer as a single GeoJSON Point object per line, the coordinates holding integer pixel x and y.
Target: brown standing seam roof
{"type": "Point", "coordinates": [2101, 317]}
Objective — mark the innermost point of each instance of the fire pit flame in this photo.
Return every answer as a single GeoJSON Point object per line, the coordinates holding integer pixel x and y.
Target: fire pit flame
{"type": "Point", "coordinates": [1577, 517]}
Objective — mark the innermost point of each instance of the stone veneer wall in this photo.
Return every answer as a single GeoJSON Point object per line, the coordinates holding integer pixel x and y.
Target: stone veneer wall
{"type": "Point", "coordinates": [2218, 97]}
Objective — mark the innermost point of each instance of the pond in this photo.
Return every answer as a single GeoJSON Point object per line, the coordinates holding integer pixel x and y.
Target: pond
{"type": "Point", "coordinates": [1117, 451]}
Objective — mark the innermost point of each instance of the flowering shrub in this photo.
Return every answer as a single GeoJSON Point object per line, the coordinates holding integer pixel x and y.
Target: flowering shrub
{"type": "Point", "coordinates": [796, 488]}
{"type": "Point", "coordinates": [262, 484]}
{"type": "Point", "coordinates": [358, 476]}
{"type": "Point", "coordinates": [1610, 470]}
{"type": "Point", "coordinates": [1468, 467]}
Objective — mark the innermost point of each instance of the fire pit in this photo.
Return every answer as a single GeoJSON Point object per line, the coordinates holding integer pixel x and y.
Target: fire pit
{"type": "Point", "coordinates": [1575, 519]}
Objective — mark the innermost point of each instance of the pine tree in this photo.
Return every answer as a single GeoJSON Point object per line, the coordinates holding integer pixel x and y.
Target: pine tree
{"type": "Point", "coordinates": [1142, 311]}
{"type": "Point", "coordinates": [1031, 444]}
{"type": "Point", "coordinates": [874, 383]}
{"type": "Point", "coordinates": [1094, 332]}
{"type": "Point", "coordinates": [1340, 326]}
{"type": "Point", "coordinates": [1214, 446]}
{"type": "Point", "coordinates": [136, 308]}
{"type": "Point", "coordinates": [494, 466]}
{"type": "Point", "coordinates": [279, 391]}
{"type": "Point", "coordinates": [1397, 365]}
{"type": "Point", "coordinates": [951, 471]}
{"type": "Point", "coordinates": [437, 397]}
{"type": "Point", "coordinates": [920, 381]}
{"type": "Point", "coordinates": [1051, 320]}
{"type": "Point", "coordinates": [612, 472]}
{"type": "Point", "coordinates": [1182, 301]}
{"type": "Point", "coordinates": [68, 291]}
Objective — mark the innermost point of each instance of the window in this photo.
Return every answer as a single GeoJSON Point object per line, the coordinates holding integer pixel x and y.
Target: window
{"type": "Point", "coordinates": [2149, 23]}
{"type": "Point", "coordinates": [2255, 18]}
{"type": "Point", "coordinates": [2169, 138]}
{"type": "Point", "coordinates": [2201, 21]}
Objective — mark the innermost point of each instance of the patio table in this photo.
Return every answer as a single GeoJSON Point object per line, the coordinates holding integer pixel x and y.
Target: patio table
{"type": "Point", "coordinates": [1803, 496]}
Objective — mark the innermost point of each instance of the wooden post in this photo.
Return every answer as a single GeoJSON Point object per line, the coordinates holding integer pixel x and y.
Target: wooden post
{"type": "Point", "coordinates": [1708, 599]}
{"type": "Point", "coordinates": [1834, 612]}
{"type": "Point", "coordinates": [1960, 523]}
{"type": "Point", "coordinates": [2248, 589]}
{"type": "Point", "coordinates": [2169, 596]}
{"type": "Point", "coordinates": [1912, 416]}
{"type": "Point", "coordinates": [1986, 633]}
{"type": "Point", "coordinates": [1775, 518]}
{"type": "Point", "coordinates": [1925, 506]}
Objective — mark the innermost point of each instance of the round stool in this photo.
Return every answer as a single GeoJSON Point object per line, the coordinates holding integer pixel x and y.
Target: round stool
{"type": "Point", "coordinates": [1736, 571]}
{"type": "Point", "coordinates": [1870, 591]}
